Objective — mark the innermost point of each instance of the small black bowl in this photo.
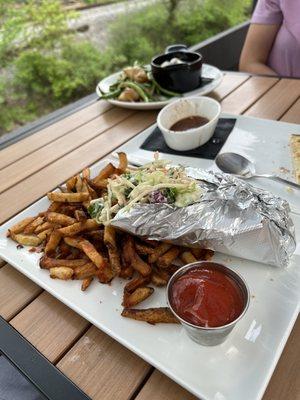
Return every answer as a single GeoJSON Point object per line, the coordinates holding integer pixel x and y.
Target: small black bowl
{"type": "Point", "coordinates": [178, 78]}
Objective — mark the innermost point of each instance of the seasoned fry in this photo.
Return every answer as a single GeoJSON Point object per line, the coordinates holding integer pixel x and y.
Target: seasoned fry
{"type": "Point", "coordinates": [167, 259]}
{"type": "Point", "coordinates": [152, 243]}
{"type": "Point", "coordinates": [19, 226]}
{"type": "Point", "coordinates": [151, 315]}
{"type": "Point", "coordinates": [140, 265]}
{"type": "Point", "coordinates": [110, 237]}
{"type": "Point", "coordinates": [208, 254]}
{"type": "Point", "coordinates": [80, 215]}
{"type": "Point", "coordinates": [114, 259]}
{"type": "Point", "coordinates": [61, 273]}
{"type": "Point", "coordinates": [123, 163]}
{"type": "Point", "coordinates": [132, 259]}
{"type": "Point", "coordinates": [135, 283]}
{"type": "Point", "coordinates": [170, 270]}
{"type": "Point", "coordinates": [44, 234]}
{"type": "Point", "coordinates": [84, 188]}
{"type": "Point", "coordinates": [187, 257]}
{"type": "Point", "coordinates": [78, 227]}
{"type": "Point", "coordinates": [98, 185]}
{"type": "Point", "coordinates": [92, 253]}
{"type": "Point", "coordinates": [48, 262]}
{"type": "Point", "coordinates": [53, 242]}
{"type": "Point", "coordinates": [158, 280]}
{"type": "Point", "coordinates": [113, 252]}
{"type": "Point", "coordinates": [86, 173]}
{"type": "Point", "coordinates": [93, 194]}
{"type": "Point", "coordinates": [69, 208]}
{"type": "Point", "coordinates": [96, 235]}
{"type": "Point", "coordinates": [70, 184]}
{"type": "Point", "coordinates": [197, 253]}
{"type": "Point", "coordinates": [140, 294]}
{"type": "Point", "coordinates": [126, 272]}
{"type": "Point", "coordinates": [75, 254]}
{"type": "Point", "coordinates": [202, 254]}
{"type": "Point", "coordinates": [25, 239]}
{"type": "Point", "coordinates": [60, 219]}
{"type": "Point", "coordinates": [86, 283]}
{"type": "Point", "coordinates": [78, 185]}
{"type": "Point", "coordinates": [87, 270]}
{"type": "Point", "coordinates": [159, 251]}
{"type": "Point", "coordinates": [128, 251]}
{"type": "Point", "coordinates": [105, 274]}
{"type": "Point", "coordinates": [105, 173]}
{"type": "Point", "coordinates": [73, 242]}
{"type": "Point", "coordinates": [64, 250]}
{"type": "Point", "coordinates": [143, 249]}
{"type": "Point", "coordinates": [46, 225]}
{"type": "Point", "coordinates": [68, 197]}
{"type": "Point", "coordinates": [30, 228]}
{"type": "Point", "coordinates": [163, 273]}
{"type": "Point", "coordinates": [55, 207]}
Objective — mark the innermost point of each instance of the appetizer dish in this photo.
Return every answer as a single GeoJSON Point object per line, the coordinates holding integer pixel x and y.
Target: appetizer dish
{"type": "Point", "coordinates": [78, 243]}
{"type": "Point", "coordinates": [136, 84]}
{"type": "Point", "coordinates": [135, 87]}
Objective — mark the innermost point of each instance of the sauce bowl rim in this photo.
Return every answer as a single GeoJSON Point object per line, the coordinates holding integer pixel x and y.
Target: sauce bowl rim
{"type": "Point", "coordinates": [190, 266]}
{"type": "Point", "coordinates": [193, 130]}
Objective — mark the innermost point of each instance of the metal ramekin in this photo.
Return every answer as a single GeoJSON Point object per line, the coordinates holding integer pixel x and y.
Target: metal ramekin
{"type": "Point", "coordinates": [202, 335]}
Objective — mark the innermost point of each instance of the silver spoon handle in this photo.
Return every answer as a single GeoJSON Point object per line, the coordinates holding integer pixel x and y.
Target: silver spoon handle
{"type": "Point", "coordinates": [279, 179]}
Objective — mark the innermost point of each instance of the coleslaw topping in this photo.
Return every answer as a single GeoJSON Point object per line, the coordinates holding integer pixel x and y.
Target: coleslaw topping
{"type": "Point", "coordinates": [155, 182]}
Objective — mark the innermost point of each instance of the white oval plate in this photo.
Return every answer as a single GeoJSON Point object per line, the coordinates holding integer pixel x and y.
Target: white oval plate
{"type": "Point", "coordinates": [208, 71]}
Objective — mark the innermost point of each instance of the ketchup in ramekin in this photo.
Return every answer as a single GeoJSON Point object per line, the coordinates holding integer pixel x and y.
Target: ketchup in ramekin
{"type": "Point", "coordinates": [208, 299]}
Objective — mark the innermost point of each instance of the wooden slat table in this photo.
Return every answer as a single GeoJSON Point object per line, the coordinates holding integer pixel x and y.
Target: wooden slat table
{"type": "Point", "coordinates": [103, 368]}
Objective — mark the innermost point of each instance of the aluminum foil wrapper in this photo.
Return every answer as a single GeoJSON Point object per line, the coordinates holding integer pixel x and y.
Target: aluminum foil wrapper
{"type": "Point", "coordinates": [231, 217]}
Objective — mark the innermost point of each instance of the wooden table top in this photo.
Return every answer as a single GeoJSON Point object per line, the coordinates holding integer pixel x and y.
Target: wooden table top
{"type": "Point", "coordinates": [99, 365]}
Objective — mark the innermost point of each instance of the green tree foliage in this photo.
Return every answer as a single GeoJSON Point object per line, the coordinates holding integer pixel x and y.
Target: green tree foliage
{"type": "Point", "coordinates": [149, 31]}
{"type": "Point", "coordinates": [43, 65]}
{"type": "Point", "coordinates": [39, 25]}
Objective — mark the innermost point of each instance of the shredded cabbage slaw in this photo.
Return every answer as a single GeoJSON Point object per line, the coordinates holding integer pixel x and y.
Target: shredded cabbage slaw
{"type": "Point", "coordinates": [156, 182]}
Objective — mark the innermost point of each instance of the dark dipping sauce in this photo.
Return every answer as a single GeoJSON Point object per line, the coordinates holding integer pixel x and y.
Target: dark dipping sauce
{"type": "Point", "coordinates": [187, 123]}
{"type": "Point", "coordinates": [207, 297]}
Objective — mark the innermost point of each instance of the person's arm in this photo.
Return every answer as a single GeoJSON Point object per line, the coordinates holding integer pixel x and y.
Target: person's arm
{"type": "Point", "coordinates": [257, 48]}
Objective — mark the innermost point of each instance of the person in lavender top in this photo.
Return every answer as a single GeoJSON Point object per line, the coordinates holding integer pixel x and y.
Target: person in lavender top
{"type": "Point", "coordinates": [272, 45]}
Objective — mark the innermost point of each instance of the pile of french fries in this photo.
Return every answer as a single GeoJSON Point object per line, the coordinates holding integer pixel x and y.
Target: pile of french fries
{"type": "Point", "coordinates": [77, 247]}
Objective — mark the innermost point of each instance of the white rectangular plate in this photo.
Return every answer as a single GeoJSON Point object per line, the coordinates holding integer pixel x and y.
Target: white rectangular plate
{"type": "Point", "coordinates": [238, 369]}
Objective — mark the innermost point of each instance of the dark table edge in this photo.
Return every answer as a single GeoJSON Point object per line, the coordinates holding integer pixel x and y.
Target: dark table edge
{"type": "Point", "coordinates": [49, 380]}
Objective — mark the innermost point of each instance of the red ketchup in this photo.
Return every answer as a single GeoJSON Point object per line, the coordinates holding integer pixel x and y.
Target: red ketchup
{"type": "Point", "coordinates": [207, 297]}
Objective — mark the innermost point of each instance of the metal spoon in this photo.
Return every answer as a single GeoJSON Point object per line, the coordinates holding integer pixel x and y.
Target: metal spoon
{"type": "Point", "coordinates": [233, 163]}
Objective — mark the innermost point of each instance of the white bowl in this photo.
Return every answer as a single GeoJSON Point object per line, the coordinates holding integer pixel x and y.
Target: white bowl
{"type": "Point", "coordinates": [183, 108]}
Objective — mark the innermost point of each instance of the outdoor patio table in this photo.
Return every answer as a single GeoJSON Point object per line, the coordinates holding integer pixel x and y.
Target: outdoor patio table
{"type": "Point", "coordinates": [99, 365]}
